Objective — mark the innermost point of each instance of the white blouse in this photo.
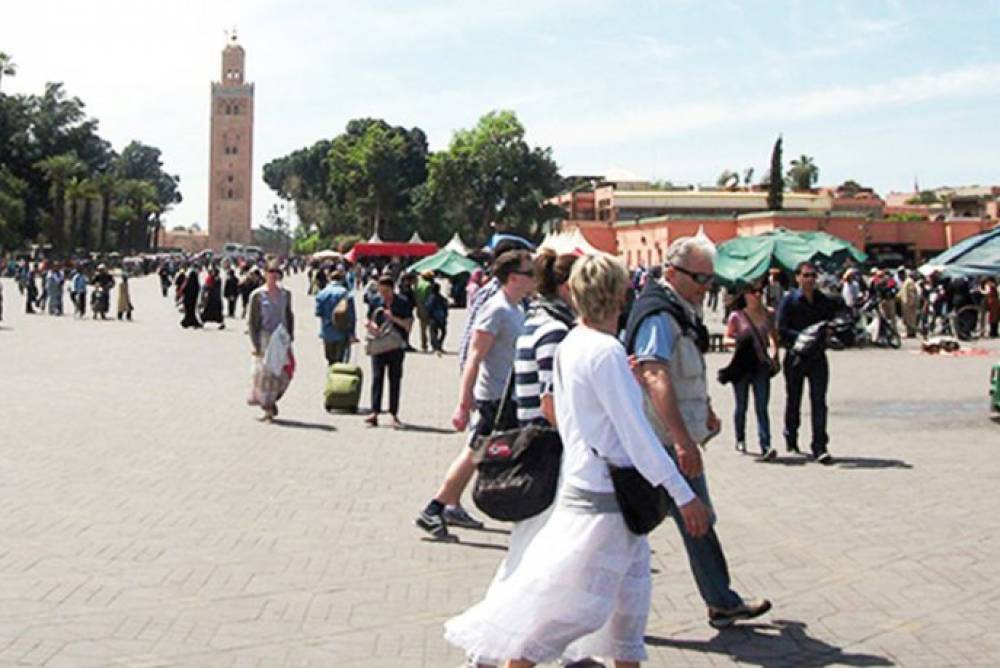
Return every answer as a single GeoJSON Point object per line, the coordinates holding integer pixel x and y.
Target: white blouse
{"type": "Point", "coordinates": [598, 406]}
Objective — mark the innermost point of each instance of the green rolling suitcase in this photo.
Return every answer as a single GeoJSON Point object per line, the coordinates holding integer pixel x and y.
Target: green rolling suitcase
{"type": "Point", "coordinates": [343, 388]}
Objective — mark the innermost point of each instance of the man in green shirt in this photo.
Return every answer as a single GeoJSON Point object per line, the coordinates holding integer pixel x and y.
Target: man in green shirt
{"type": "Point", "coordinates": [421, 292]}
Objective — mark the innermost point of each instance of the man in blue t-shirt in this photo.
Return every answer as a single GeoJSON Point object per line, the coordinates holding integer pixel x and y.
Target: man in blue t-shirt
{"type": "Point", "coordinates": [337, 334]}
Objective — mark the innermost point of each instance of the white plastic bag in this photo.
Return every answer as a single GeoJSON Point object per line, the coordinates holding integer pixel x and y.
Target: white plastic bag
{"type": "Point", "coordinates": [276, 354]}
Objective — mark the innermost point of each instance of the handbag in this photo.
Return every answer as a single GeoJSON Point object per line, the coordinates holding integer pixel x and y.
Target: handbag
{"type": "Point", "coordinates": [774, 366]}
{"type": "Point", "coordinates": [385, 340]}
{"type": "Point", "coordinates": [518, 469]}
{"type": "Point", "coordinates": [643, 506]}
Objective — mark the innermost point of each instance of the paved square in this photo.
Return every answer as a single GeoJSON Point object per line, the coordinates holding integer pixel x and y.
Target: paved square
{"type": "Point", "coordinates": [146, 519]}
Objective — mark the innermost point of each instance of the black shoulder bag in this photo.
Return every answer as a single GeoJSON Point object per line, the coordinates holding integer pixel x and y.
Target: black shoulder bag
{"type": "Point", "coordinates": [518, 468]}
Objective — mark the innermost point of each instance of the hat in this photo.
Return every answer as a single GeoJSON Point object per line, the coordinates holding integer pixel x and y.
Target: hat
{"type": "Point", "coordinates": [102, 267]}
{"type": "Point", "coordinates": [429, 275]}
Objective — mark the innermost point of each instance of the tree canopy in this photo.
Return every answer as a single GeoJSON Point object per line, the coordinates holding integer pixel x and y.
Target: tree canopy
{"type": "Point", "coordinates": [60, 181]}
{"type": "Point", "coordinates": [803, 173]}
{"type": "Point", "coordinates": [375, 176]}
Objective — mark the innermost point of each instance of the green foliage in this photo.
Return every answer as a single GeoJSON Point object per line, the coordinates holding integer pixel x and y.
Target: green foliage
{"type": "Point", "coordinates": [69, 174]}
{"type": "Point", "coordinates": [803, 174]}
{"type": "Point", "coordinates": [12, 209]}
{"type": "Point", "coordinates": [905, 217]}
{"type": "Point", "coordinates": [775, 185]}
{"type": "Point", "coordinates": [925, 197]}
{"type": "Point", "coordinates": [489, 178]}
{"type": "Point", "coordinates": [304, 243]}
{"type": "Point", "coordinates": [728, 179]}
{"type": "Point", "coordinates": [377, 174]}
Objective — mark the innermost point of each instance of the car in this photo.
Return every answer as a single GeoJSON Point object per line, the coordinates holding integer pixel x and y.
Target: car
{"type": "Point", "coordinates": [253, 253]}
{"type": "Point", "coordinates": [995, 388]}
{"type": "Point", "coordinates": [232, 252]}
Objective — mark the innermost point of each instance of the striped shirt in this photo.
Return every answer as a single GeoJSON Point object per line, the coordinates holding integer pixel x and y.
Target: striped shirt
{"type": "Point", "coordinates": [536, 348]}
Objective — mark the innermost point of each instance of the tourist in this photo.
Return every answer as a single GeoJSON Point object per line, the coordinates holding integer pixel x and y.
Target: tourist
{"type": "Point", "coordinates": [476, 281]}
{"type": "Point", "coordinates": [250, 280]}
{"type": "Point", "coordinates": [752, 324]}
{"type": "Point", "coordinates": [437, 317]}
{"type": "Point", "coordinates": [164, 275]}
{"type": "Point", "coordinates": [800, 309]}
{"type": "Point", "coordinates": [270, 308]}
{"type": "Point", "coordinates": [211, 299]}
{"type": "Point", "coordinates": [30, 292]}
{"type": "Point", "coordinates": [775, 289]}
{"type": "Point", "coordinates": [124, 298]}
{"type": "Point", "coordinates": [231, 291]}
{"type": "Point", "coordinates": [388, 307]}
{"type": "Point", "coordinates": [190, 290]}
{"type": "Point", "coordinates": [78, 294]}
{"type": "Point", "coordinates": [585, 570]}
{"type": "Point", "coordinates": [666, 335]}
{"type": "Point", "coordinates": [484, 382]}
{"type": "Point", "coordinates": [54, 282]}
{"type": "Point", "coordinates": [336, 331]}
{"type": "Point", "coordinates": [103, 282]}
{"type": "Point", "coordinates": [991, 303]}
{"type": "Point", "coordinates": [420, 292]}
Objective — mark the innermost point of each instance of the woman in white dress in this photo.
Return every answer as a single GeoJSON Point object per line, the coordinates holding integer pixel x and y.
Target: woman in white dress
{"type": "Point", "coordinates": [583, 585]}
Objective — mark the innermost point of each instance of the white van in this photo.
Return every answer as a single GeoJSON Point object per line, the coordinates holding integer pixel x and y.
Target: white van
{"type": "Point", "coordinates": [232, 252]}
{"type": "Point", "coordinates": [253, 253]}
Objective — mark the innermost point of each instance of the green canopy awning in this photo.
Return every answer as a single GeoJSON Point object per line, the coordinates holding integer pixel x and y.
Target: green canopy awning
{"type": "Point", "coordinates": [445, 261]}
{"type": "Point", "coordinates": [745, 260]}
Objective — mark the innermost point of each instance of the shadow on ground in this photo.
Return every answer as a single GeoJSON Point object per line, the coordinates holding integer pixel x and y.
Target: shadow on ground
{"type": "Point", "coordinates": [298, 424]}
{"type": "Point", "coordinates": [780, 644]}
{"type": "Point", "coordinates": [843, 462]}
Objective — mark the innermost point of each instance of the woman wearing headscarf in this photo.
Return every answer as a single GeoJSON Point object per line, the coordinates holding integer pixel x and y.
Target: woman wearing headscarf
{"type": "Point", "coordinates": [189, 295]}
{"type": "Point", "coordinates": [124, 298]}
{"type": "Point", "coordinates": [231, 291]}
{"type": "Point", "coordinates": [211, 299]}
{"type": "Point", "coordinates": [585, 571]}
{"type": "Point", "coordinates": [270, 310]}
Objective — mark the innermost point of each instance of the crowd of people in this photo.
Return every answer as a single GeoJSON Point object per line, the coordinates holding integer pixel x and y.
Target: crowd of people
{"type": "Point", "coordinates": [46, 284]}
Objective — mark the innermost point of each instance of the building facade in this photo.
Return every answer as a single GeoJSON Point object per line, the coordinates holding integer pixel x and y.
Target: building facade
{"type": "Point", "coordinates": [231, 152]}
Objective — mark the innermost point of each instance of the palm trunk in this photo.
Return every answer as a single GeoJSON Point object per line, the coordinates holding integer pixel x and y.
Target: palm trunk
{"type": "Point", "coordinates": [105, 219]}
{"type": "Point", "coordinates": [88, 211]}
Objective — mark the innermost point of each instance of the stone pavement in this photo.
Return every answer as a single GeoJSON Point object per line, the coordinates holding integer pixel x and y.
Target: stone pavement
{"type": "Point", "coordinates": [146, 519]}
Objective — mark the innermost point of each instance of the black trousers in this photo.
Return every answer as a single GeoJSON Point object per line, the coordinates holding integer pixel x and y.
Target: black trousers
{"type": "Point", "coordinates": [437, 335]}
{"type": "Point", "coordinates": [392, 362]}
{"type": "Point", "coordinates": [817, 372]}
{"type": "Point", "coordinates": [336, 351]}
{"type": "Point", "coordinates": [231, 302]}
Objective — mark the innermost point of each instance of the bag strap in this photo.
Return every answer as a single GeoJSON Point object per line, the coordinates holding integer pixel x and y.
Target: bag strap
{"type": "Point", "coordinates": [756, 334]}
{"type": "Point", "coordinates": [503, 402]}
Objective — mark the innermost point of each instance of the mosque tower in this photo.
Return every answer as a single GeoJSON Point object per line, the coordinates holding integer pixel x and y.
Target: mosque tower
{"type": "Point", "coordinates": [231, 157]}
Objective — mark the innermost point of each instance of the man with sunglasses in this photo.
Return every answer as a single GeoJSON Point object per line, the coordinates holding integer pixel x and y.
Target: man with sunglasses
{"type": "Point", "coordinates": [666, 335]}
{"type": "Point", "coordinates": [799, 310]}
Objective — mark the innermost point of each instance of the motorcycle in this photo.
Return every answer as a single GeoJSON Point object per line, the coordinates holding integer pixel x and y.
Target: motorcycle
{"type": "Point", "coordinates": [878, 330]}
{"type": "Point", "coordinates": [99, 302]}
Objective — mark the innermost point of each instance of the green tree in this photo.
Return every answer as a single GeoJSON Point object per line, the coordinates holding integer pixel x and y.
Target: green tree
{"type": "Point", "coordinates": [728, 179]}
{"type": "Point", "coordinates": [7, 66]}
{"type": "Point", "coordinates": [141, 162]}
{"type": "Point", "coordinates": [138, 203]}
{"type": "Point", "coordinates": [58, 170]}
{"type": "Point", "coordinates": [80, 192]}
{"type": "Point", "coordinates": [106, 185]}
{"type": "Point", "coordinates": [803, 173]}
{"type": "Point", "coordinates": [775, 185]}
{"type": "Point", "coordinates": [925, 197]}
{"type": "Point", "coordinates": [12, 208]}
{"type": "Point", "coordinates": [490, 178]}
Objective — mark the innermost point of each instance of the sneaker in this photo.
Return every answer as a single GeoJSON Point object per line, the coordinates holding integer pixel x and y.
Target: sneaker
{"type": "Point", "coordinates": [741, 446]}
{"type": "Point", "coordinates": [769, 455]}
{"type": "Point", "coordinates": [456, 516]}
{"type": "Point", "coordinates": [825, 459]}
{"type": "Point", "coordinates": [432, 524]}
{"type": "Point", "coordinates": [720, 619]}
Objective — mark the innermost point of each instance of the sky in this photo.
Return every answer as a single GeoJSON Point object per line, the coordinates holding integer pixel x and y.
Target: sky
{"type": "Point", "coordinates": [884, 92]}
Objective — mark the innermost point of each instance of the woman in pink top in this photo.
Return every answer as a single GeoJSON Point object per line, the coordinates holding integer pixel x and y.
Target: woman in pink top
{"type": "Point", "coordinates": [752, 320]}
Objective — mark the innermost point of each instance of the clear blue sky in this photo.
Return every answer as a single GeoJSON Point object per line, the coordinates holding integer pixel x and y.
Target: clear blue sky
{"type": "Point", "coordinates": [875, 91]}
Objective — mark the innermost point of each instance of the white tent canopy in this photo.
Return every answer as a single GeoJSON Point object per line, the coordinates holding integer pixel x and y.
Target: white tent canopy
{"type": "Point", "coordinates": [570, 241]}
{"type": "Point", "coordinates": [415, 239]}
{"type": "Point", "coordinates": [456, 244]}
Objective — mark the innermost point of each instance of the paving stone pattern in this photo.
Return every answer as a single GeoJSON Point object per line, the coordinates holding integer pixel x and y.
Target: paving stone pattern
{"type": "Point", "coordinates": [146, 518]}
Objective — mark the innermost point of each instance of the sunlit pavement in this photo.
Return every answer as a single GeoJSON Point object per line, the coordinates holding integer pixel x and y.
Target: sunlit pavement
{"type": "Point", "coordinates": [147, 518]}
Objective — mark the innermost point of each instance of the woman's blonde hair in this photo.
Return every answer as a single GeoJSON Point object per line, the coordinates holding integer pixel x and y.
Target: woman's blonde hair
{"type": "Point", "coordinates": [597, 284]}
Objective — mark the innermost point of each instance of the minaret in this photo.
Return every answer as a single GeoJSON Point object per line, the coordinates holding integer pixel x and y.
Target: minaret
{"type": "Point", "coordinates": [231, 157]}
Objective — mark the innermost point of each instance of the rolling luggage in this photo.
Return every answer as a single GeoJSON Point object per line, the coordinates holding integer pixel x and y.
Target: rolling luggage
{"type": "Point", "coordinates": [343, 388]}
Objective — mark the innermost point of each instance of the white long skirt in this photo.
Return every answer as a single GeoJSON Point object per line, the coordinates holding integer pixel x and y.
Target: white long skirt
{"type": "Point", "coordinates": [584, 572]}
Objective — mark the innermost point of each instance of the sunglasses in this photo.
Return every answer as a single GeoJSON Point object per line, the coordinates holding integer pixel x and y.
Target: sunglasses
{"type": "Point", "coordinates": [696, 276]}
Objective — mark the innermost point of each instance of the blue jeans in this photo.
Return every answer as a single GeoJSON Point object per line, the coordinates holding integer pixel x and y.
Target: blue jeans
{"type": "Point", "coordinates": [708, 563]}
{"type": "Point", "coordinates": [761, 383]}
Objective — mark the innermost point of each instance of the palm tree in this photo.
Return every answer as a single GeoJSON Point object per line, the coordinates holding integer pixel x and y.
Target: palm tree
{"type": "Point", "coordinates": [728, 179]}
{"type": "Point", "coordinates": [80, 191]}
{"type": "Point", "coordinates": [58, 170]}
{"type": "Point", "coordinates": [137, 195]}
{"type": "Point", "coordinates": [803, 173]}
{"type": "Point", "coordinates": [106, 185]}
{"type": "Point", "coordinates": [7, 66]}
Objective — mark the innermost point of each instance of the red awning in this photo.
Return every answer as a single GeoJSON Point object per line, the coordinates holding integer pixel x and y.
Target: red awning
{"type": "Point", "coordinates": [390, 249]}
